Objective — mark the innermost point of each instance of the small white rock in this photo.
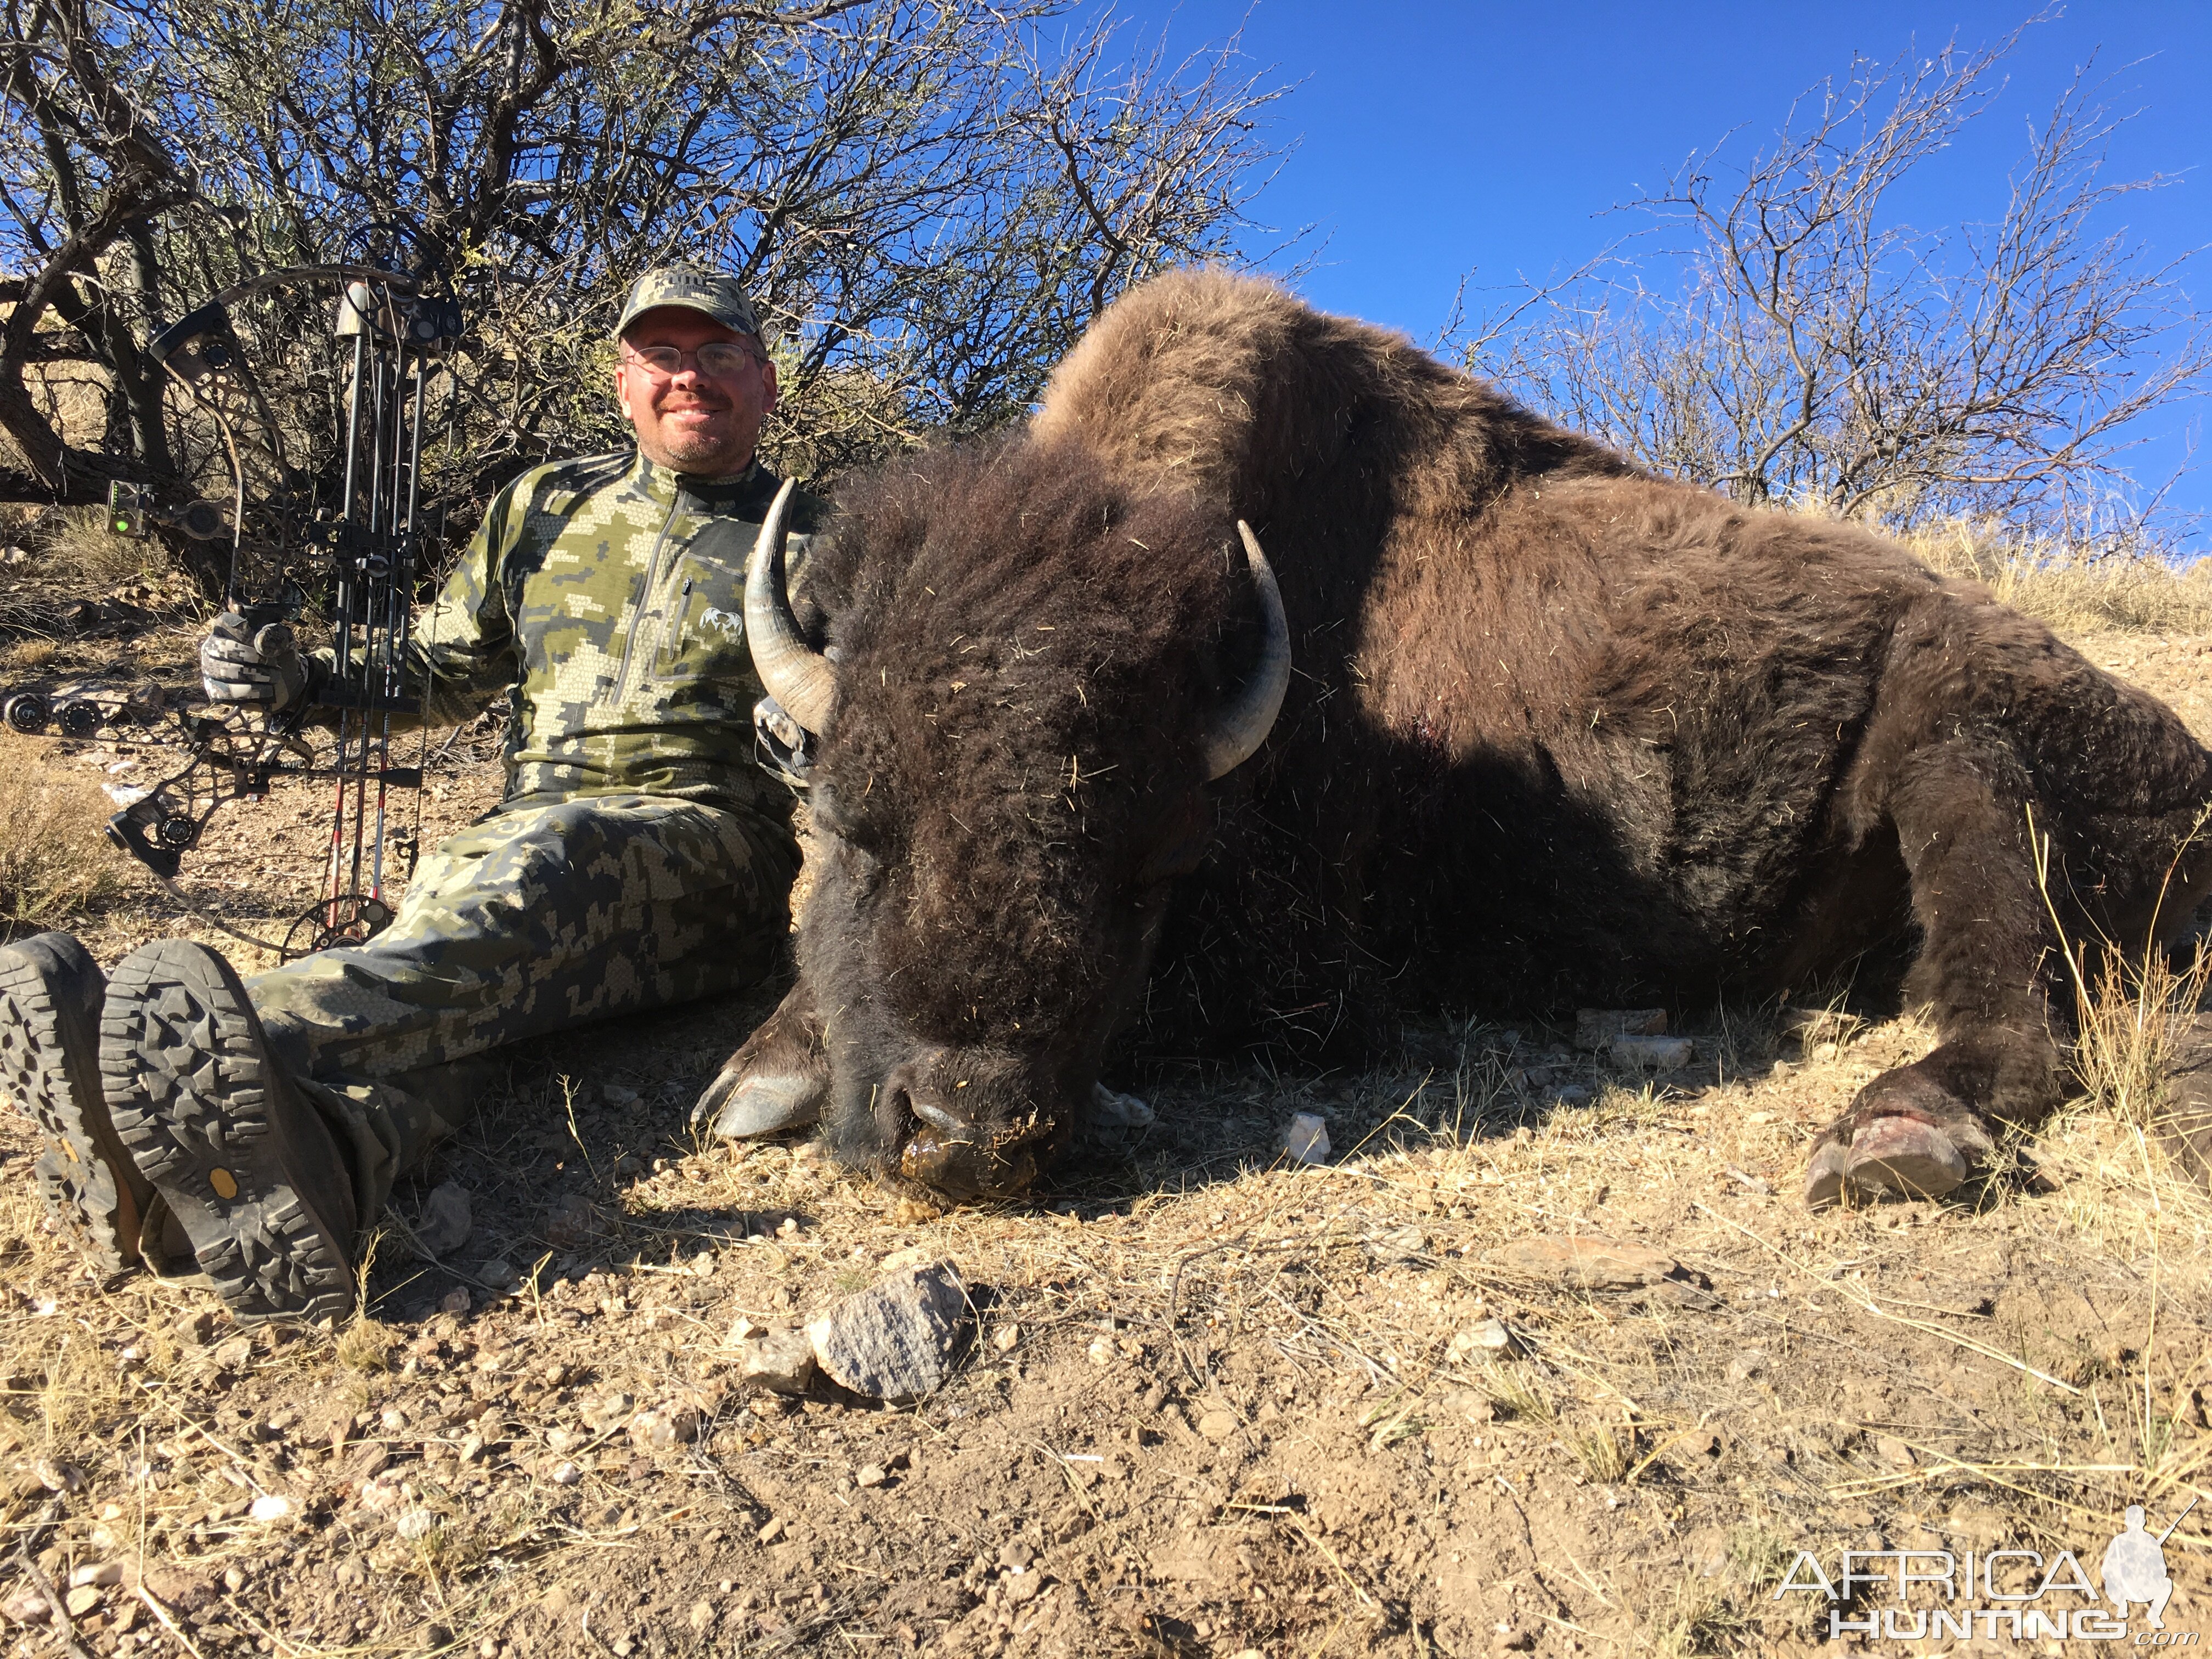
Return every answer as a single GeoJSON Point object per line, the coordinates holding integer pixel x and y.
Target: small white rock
{"type": "Point", "coordinates": [1484, 1336]}
{"type": "Point", "coordinates": [379, 1494]}
{"type": "Point", "coordinates": [272, 1506]}
{"type": "Point", "coordinates": [1305, 1138]}
{"type": "Point", "coordinates": [418, 1524]}
{"type": "Point", "coordinates": [566, 1474]}
{"type": "Point", "coordinates": [779, 1361]}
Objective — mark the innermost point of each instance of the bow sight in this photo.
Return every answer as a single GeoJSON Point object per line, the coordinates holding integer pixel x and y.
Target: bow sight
{"type": "Point", "coordinates": [398, 320]}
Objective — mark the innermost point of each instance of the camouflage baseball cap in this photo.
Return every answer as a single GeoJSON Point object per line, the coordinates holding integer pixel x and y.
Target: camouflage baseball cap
{"type": "Point", "coordinates": [710, 292]}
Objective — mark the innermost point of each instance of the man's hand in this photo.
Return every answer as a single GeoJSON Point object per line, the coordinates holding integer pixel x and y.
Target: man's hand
{"type": "Point", "coordinates": [263, 666]}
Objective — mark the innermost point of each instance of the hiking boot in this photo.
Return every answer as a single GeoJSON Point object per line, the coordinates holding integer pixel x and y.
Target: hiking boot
{"type": "Point", "coordinates": [245, 1165]}
{"type": "Point", "coordinates": [50, 995]}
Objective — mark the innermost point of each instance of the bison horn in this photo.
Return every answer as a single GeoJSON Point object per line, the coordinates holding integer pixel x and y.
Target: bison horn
{"type": "Point", "coordinates": [792, 672]}
{"type": "Point", "coordinates": [1243, 724]}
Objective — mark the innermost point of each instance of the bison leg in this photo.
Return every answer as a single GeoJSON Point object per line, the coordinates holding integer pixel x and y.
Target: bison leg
{"type": "Point", "coordinates": [1959, 810]}
{"type": "Point", "coordinates": [778, 1080]}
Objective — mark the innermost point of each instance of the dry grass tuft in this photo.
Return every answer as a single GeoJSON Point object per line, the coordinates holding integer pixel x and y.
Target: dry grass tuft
{"type": "Point", "coordinates": [2134, 1013]}
{"type": "Point", "coordinates": [1513, 1391]}
{"type": "Point", "coordinates": [55, 861]}
{"type": "Point", "coordinates": [2135, 1009]}
{"type": "Point", "coordinates": [81, 1391]}
{"type": "Point", "coordinates": [1701, 1621]}
{"type": "Point", "coordinates": [364, 1346]}
{"type": "Point", "coordinates": [1606, 1454]}
{"type": "Point", "coordinates": [75, 544]}
{"type": "Point", "coordinates": [2071, 589]}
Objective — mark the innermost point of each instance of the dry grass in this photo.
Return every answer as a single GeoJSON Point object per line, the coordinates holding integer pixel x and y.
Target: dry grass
{"type": "Point", "coordinates": [55, 861]}
{"type": "Point", "coordinates": [1306, 1302]}
{"type": "Point", "coordinates": [2134, 1012]}
{"type": "Point", "coordinates": [2134, 1008]}
{"type": "Point", "coordinates": [76, 546]}
{"type": "Point", "coordinates": [2069, 588]}
{"type": "Point", "coordinates": [2039, 1347]}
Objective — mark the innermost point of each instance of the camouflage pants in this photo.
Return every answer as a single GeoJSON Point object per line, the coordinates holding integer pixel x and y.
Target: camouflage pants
{"type": "Point", "coordinates": [535, 919]}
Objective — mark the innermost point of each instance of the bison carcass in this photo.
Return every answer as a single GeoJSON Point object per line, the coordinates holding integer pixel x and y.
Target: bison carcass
{"type": "Point", "coordinates": [1556, 731]}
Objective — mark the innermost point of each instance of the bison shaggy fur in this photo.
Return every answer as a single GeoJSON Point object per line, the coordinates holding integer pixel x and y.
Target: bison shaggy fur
{"type": "Point", "coordinates": [1559, 732]}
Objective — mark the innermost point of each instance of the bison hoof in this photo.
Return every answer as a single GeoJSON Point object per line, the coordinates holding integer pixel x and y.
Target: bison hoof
{"type": "Point", "coordinates": [1903, 1158]}
{"type": "Point", "coordinates": [1825, 1179]}
{"type": "Point", "coordinates": [741, 1106]}
{"type": "Point", "coordinates": [1890, 1157]}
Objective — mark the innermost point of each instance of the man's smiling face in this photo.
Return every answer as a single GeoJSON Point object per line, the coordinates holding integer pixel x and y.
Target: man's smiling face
{"type": "Point", "coordinates": [696, 422]}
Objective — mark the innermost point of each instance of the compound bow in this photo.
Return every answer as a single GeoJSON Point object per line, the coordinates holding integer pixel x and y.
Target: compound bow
{"type": "Point", "coordinates": [401, 324]}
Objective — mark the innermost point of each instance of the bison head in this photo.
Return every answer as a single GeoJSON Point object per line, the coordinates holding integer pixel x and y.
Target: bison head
{"type": "Point", "coordinates": [1031, 680]}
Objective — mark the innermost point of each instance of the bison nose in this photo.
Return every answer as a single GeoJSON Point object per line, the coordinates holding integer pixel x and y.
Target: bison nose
{"type": "Point", "coordinates": [972, 1130]}
{"type": "Point", "coordinates": [909, 1092]}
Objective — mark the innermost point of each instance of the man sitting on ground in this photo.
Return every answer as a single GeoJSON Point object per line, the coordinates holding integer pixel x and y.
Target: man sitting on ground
{"type": "Point", "coordinates": [640, 858]}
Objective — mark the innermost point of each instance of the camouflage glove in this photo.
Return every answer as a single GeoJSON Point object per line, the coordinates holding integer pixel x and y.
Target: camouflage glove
{"type": "Point", "coordinates": [264, 667]}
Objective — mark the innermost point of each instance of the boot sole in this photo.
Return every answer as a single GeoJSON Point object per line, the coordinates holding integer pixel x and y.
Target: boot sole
{"type": "Point", "coordinates": [91, 1187]}
{"type": "Point", "coordinates": [188, 1077]}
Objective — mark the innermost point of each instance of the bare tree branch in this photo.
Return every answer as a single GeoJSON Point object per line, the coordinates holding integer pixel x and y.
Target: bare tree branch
{"type": "Point", "coordinates": [1784, 338]}
{"type": "Point", "coordinates": [930, 197]}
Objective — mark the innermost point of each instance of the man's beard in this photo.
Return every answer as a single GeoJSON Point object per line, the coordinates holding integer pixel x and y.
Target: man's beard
{"type": "Point", "coordinates": [698, 451]}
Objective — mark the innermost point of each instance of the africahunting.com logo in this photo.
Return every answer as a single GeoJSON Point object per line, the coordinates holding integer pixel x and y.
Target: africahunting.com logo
{"type": "Point", "coordinates": [2001, 1594]}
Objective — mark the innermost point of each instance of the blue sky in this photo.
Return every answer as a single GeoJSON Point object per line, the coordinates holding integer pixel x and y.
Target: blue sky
{"type": "Point", "coordinates": [1434, 140]}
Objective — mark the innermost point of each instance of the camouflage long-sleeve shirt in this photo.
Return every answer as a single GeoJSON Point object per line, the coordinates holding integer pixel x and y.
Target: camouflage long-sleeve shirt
{"type": "Point", "coordinates": [606, 597]}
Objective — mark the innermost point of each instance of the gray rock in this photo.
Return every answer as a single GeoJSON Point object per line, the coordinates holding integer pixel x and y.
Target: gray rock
{"type": "Point", "coordinates": [897, 1339]}
{"type": "Point", "coordinates": [1485, 1337]}
{"type": "Point", "coordinates": [446, 1221]}
{"type": "Point", "coordinates": [571, 1221]}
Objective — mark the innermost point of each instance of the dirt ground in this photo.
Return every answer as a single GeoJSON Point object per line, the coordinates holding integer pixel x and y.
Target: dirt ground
{"type": "Point", "coordinates": [1216, 1403]}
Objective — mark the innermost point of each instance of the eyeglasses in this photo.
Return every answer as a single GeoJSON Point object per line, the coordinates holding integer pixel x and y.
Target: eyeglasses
{"type": "Point", "coordinates": [720, 358]}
